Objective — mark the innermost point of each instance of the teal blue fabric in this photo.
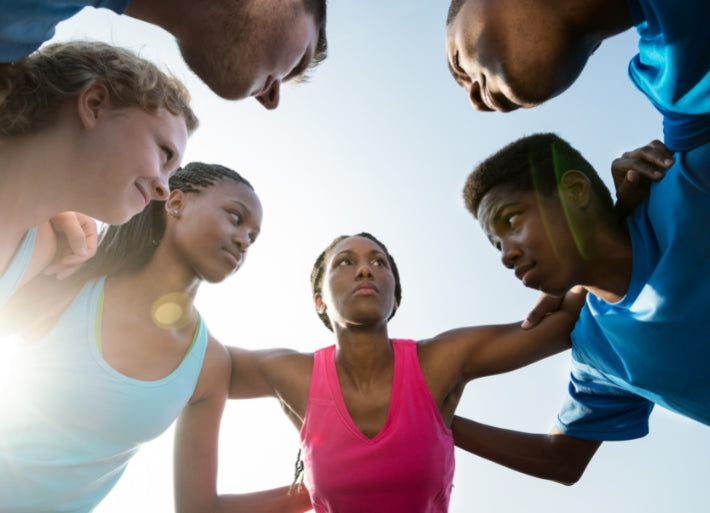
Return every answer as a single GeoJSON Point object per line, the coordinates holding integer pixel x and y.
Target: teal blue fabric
{"type": "Point", "coordinates": [70, 423]}
{"type": "Point", "coordinates": [14, 272]}
{"type": "Point", "coordinates": [672, 67]}
{"type": "Point", "coordinates": [653, 346]}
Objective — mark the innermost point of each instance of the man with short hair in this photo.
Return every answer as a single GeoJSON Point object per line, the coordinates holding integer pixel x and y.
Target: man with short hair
{"type": "Point", "coordinates": [238, 48]}
{"type": "Point", "coordinates": [642, 337]}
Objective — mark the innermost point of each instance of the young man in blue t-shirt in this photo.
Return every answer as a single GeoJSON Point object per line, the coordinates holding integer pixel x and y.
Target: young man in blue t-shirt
{"type": "Point", "coordinates": [509, 54]}
{"type": "Point", "coordinates": [642, 337]}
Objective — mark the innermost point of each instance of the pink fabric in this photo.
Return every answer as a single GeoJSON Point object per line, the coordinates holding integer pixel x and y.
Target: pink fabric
{"type": "Point", "coordinates": [408, 467]}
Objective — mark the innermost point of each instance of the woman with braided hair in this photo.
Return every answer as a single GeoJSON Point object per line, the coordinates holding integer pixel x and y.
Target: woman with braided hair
{"type": "Point", "coordinates": [117, 352]}
{"type": "Point", "coordinates": [374, 412]}
{"type": "Point", "coordinates": [84, 127]}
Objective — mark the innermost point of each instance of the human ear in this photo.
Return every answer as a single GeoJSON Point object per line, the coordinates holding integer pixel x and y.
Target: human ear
{"type": "Point", "coordinates": [575, 188]}
{"type": "Point", "coordinates": [320, 305]}
{"type": "Point", "coordinates": [91, 102]}
{"type": "Point", "coordinates": [175, 203]}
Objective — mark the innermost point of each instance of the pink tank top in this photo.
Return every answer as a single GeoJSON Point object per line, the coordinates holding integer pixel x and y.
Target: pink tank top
{"type": "Point", "coordinates": [408, 467]}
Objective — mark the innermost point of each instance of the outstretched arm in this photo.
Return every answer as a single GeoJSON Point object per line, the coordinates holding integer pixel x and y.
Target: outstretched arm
{"type": "Point", "coordinates": [196, 451]}
{"type": "Point", "coordinates": [487, 350]}
{"type": "Point", "coordinates": [553, 456]}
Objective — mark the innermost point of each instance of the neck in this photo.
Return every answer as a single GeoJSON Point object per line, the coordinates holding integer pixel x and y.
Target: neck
{"type": "Point", "coordinates": [363, 354]}
{"type": "Point", "coordinates": [609, 266]}
{"type": "Point", "coordinates": [170, 15]}
{"type": "Point", "coordinates": [598, 19]}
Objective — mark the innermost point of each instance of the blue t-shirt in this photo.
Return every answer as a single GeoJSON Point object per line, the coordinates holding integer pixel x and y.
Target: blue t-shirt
{"type": "Point", "coordinates": [672, 67]}
{"type": "Point", "coordinates": [26, 24]}
{"type": "Point", "coordinates": [653, 346]}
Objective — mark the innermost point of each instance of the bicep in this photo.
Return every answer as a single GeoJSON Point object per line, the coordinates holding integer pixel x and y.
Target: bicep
{"type": "Point", "coordinates": [196, 439]}
{"type": "Point", "coordinates": [496, 349]}
{"type": "Point", "coordinates": [257, 373]}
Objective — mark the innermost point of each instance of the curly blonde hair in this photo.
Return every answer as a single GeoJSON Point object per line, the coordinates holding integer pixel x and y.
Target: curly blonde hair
{"type": "Point", "coordinates": [33, 89]}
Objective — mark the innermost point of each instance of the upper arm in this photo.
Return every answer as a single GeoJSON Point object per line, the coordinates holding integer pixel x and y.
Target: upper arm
{"type": "Point", "coordinates": [197, 435]}
{"type": "Point", "coordinates": [487, 350]}
{"type": "Point", "coordinates": [257, 373]}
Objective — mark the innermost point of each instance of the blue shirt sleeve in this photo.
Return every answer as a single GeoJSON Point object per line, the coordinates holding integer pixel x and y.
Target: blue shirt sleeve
{"type": "Point", "coordinates": [597, 409]}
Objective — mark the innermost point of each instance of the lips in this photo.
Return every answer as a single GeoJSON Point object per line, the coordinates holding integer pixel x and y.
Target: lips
{"type": "Point", "coordinates": [235, 257]}
{"type": "Point", "coordinates": [522, 271]}
{"type": "Point", "coordinates": [144, 194]}
{"type": "Point", "coordinates": [366, 289]}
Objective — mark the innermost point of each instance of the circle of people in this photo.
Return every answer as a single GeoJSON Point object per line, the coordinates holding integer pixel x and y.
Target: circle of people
{"type": "Point", "coordinates": [114, 350]}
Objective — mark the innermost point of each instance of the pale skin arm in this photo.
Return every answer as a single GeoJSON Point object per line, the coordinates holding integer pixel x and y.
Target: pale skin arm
{"type": "Point", "coordinates": [196, 451]}
{"type": "Point", "coordinates": [553, 456]}
{"type": "Point", "coordinates": [62, 244]}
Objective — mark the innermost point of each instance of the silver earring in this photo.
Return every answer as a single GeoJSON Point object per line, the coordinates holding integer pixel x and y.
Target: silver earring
{"type": "Point", "coordinates": [174, 212]}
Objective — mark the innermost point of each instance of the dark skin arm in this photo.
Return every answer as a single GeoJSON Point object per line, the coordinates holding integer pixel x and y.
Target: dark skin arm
{"type": "Point", "coordinates": [552, 456]}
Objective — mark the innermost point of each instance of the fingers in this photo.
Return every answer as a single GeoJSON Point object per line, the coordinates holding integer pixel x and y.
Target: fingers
{"type": "Point", "coordinates": [650, 161]}
{"type": "Point", "coordinates": [545, 305]}
{"type": "Point", "coordinates": [78, 234]}
{"type": "Point", "coordinates": [634, 171]}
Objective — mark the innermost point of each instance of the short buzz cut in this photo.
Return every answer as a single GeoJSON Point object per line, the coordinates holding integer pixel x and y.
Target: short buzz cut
{"type": "Point", "coordinates": [536, 162]}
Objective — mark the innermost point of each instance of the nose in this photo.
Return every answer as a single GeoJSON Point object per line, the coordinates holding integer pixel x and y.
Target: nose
{"type": "Point", "coordinates": [270, 99]}
{"type": "Point", "coordinates": [509, 254]}
{"type": "Point", "coordinates": [160, 189]}
{"type": "Point", "coordinates": [242, 240]}
{"type": "Point", "coordinates": [364, 271]}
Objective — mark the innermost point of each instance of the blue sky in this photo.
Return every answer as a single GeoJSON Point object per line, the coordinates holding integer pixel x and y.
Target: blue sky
{"type": "Point", "coordinates": [381, 139]}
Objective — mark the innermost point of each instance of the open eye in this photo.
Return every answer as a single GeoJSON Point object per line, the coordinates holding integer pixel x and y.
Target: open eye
{"type": "Point", "coordinates": [235, 216]}
{"type": "Point", "coordinates": [510, 220]}
{"type": "Point", "coordinates": [343, 262]}
{"type": "Point", "coordinates": [380, 262]}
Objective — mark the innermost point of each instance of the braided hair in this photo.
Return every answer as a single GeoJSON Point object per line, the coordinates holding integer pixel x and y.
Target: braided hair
{"type": "Point", "coordinates": [131, 245]}
{"type": "Point", "coordinates": [318, 272]}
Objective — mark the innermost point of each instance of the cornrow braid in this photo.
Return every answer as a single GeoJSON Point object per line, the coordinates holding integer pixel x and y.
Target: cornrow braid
{"type": "Point", "coordinates": [130, 246]}
{"type": "Point", "coordinates": [299, 467]}
{"type": "Point", "coordinates": [318, 272]}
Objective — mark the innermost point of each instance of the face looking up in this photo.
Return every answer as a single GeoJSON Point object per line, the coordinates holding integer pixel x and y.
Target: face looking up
{"type": "Point", "coordinates": [508, 55]}
{"type": "Point", "coordinates": [359, 285]}
{"type": "Point", "coordinates": [212, 229]}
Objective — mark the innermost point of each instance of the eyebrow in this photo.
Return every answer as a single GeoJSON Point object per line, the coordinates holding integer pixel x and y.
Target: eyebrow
{"type": "Point", "coordinates": [350, 252]}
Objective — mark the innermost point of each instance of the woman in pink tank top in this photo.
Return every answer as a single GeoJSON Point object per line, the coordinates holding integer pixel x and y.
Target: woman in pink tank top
{"type": "Point", "coordinates": [374, 413]}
